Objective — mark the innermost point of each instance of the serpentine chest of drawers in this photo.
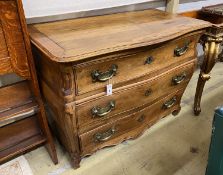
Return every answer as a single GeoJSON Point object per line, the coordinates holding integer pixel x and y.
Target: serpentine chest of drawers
{"type": "Point", "coordinates": [147, 56]}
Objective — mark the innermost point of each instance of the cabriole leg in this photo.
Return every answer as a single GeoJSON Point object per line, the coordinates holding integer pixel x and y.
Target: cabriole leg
{"type": "Point", "coordinates": [211, 53]}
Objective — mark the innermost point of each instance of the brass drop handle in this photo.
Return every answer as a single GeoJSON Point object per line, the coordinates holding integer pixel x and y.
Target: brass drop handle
{"type": "Point", "coordinates": [100, 112]}
{"type": "Point", "coordinates": [149, 60]}
{"type": "Point", "coordinates": [170, 103]}
{"type": "Point", "coordinates": [104, 76]}
{"type": "Point", "coordinates": [179, 78]}
{"type": "Point", "coordinates": [179, 51]}
{"type": "Point", "coordinates": [101, 137]}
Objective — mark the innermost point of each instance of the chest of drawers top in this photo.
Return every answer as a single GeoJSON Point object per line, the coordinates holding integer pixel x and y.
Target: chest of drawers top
{"type": "Point", "coordinates": [78, 39]}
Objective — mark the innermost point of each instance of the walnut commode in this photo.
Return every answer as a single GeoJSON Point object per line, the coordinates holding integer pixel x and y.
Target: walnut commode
{"type": "Point", "coordinates": [148, 57]}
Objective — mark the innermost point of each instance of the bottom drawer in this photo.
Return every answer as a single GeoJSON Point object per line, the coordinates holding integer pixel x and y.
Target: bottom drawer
{"type": "Point", "coordinates": [129, 126]}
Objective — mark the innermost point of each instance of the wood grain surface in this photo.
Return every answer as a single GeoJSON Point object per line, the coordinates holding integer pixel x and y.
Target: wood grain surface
{"type": "Point", "coordinates": [78, 39]}
{"type": "Point", "coordinates": [23, 123]}
{"type": "Point", "coordinates": [132, 98]}
{"type": "Point", "coordinates": [129, 126]}
{"type": "Point", "coordinates": [133, 51]}
{"type": "Point", "coordinates": [132, 65]}
{"type": "Point", "coordinates": [15, 56]}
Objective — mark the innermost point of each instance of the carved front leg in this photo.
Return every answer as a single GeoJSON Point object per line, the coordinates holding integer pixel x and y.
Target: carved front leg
{"type": "Point", "coordinates": [73, 145]}
{"type": "Point", "coordinates": [211, 52]}
{"type": "Point", "coordinates": [75, 160]}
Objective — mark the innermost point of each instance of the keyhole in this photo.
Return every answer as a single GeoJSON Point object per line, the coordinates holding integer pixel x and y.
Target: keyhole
{"type": "Point", "coordinates": [141, 118]}
{"type": "Point", "coordinates": [149, 60]}
{"type": "Point", "coordinates": [148, 92]}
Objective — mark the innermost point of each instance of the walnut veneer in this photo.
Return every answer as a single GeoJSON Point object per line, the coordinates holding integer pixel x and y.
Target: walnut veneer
{"type": "Point", "coordinates": [148, 56]}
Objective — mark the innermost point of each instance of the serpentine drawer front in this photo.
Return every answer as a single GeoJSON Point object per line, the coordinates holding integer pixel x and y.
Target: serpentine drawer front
{"type": "Point", "coordinates": [93, 113]}
{"type": "Point", "coordinates": [147, 56]}
{"type": "Point", "coordinates": [129, 126]}
{"type": "Point", "coordinates": [127, 66]}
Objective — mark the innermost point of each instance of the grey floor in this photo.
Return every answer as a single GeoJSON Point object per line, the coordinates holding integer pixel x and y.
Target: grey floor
{"type": "Point", "coordinates": [174, 146]}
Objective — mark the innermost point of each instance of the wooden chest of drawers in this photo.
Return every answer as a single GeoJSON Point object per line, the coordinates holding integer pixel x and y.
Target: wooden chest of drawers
{"type": "Point", "coordinates": [148, 57]}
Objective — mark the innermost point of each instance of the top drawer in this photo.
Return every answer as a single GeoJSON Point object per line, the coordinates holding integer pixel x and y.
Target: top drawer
{"type": "Point", "coordinates": [95, 75]}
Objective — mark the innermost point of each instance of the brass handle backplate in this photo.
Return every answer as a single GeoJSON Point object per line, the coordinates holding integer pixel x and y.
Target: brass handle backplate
{"type": "Point", "coordinates": [179, 51]}
{"type": "Point", "coordinates": [170, 103]}
{"type": "Point", "coordinates": [101, 137]}
{"type": "Point", "coordinates": [104, 76]}
{"type": "Point", "coordinates": [100, 112]}
{"type": "Point", "coordinates": [179, 78]}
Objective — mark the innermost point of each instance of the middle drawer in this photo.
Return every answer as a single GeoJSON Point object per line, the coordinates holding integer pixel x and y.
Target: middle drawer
{"type": "Point", "coordinates": [93, 113]}
{"type": "Point", "coordinates": [122, 68]}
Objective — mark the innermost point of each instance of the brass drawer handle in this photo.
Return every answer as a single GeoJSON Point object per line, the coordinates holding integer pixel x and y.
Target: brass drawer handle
{"type": "Point", "coordinates": [101, 137]}
{"type": "Point", "coordinates": [149, 60]}
{"type": "Point", "coordinates": [179, 51]}
{"type": "Point", "coordinates": [179, 78]}
{"type": "Point", "coordinates": [100, 112]}
{"type": "Point", "coordinates": [170, 103]}
{"type": "Point", "coordinates": [104, 76]}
